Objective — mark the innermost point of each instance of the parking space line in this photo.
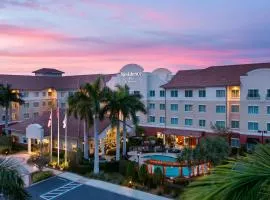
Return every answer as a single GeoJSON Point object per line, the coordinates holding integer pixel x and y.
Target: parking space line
{"type": "Point", "coordinates": [60, 191]}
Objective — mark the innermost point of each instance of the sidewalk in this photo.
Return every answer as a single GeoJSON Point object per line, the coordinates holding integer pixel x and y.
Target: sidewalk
{"type": "Point", "coordinates": [111, 187]}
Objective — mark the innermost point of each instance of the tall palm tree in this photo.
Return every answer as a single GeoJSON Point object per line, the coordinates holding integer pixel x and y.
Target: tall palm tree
{"type": "Point", "coordinates": [79, 105]}
{"type": "Point", "coordinates": [130, 105]}
{"type": "Point", "coordinates": [96, 94]}
{"type": "Point", "coordinates": [246, 178]}
{"type": "Point", "coordinates": [11, 183]}
{"type": "Point", "coordinates": [8, 96]}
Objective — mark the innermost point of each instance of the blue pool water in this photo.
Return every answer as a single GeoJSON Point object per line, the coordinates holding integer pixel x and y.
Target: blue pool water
{"type": "Point", "coordinates": [161, 158]}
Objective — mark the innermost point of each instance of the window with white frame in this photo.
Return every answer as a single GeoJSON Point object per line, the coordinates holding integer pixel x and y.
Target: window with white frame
{"type": "Point", "coordinates": [235, 124]}
{"type": "Point", "coordinates": [220, 93]}
{"type": "Point", "coordinates": [174, 107]}
{"type": "Point", "coordinates": [202, 108]}
{"type": "Point", "coordinates": [35, 114]}
{"type": "Point", "coordinates": [253, 109]}
{"type": "Point", "coordinates": [188, 122]}
{"type": "Point", "coordinates": [26, 105]}
{"type": "Point", "coordinates": [188, 107]}
{"type": "Point", "coordinates": [36, 104]}
{"type": "Point", "coordinates": [268, 126]}
{"type": "Point", "coordinates": [202, 93]}
{"type": "Point", "coordinates": [162, 106]}
{"type": "Point", "coordinates": [151, 119]}
{"type": "Point", "coordinates": [162, 93]}
{"type": "Point", "coordinates": [268, 109]}
{"type": "Point", "coordinates": [202, 123]}
{"type": "Point", "coordinates": [152, 93]}
{"type": "Point", "coordinates": [174, 93]}
{"type": "Point", "coordinates": [174, 120]}
{"type": "Point", "coordinates": [235, 93]}
{"type": "Point", "coordinates": [161, 120]}
{"type": "Point", "coordinates": [235, 142]}
{"type": "Point", "coordinates": [253, 126]}
{"type": "Point", "coordinates": [220, 124]}
{"type": "Point", "coordinates": [220, 109]}
{"type": "Point", "coordinates": [188, 93]}
{"type": "Point", "coordinates": [36, 94]}
{"type": "Point", "coordinates": [63, 94]}
{"type": "Point", "coordinates": [253, 93]}
{"type": "Point", "coordinates": [26, 115]}
{"type": "Point", "coordinates": [235, 108]}
{"type": "Point", "coordinates": [152, 106]}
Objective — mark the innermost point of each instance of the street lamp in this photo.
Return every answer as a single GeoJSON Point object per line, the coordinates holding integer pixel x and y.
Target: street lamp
{"type": "Point", "coordinates": [262, 132]}
{"type": "Point", "coordinates": [138, 155]}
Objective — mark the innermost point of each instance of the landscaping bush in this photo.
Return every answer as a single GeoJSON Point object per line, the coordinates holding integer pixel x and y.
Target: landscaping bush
{"type": "Point", "coordinates": [123, 166]}
{"type": "Point", "coordinates": [5, 144]}
{"type": "Point", "coordinates": [40, 175]}
{"type": "Point", "coordinates": [16, 147]}
{"type": "Point", "coordinates": [131, 172]}
{"type": "Point", "coordinates": [158, 177]}
{"type": "Point", "coordinates": [39, 161]}
{"type": "Point", "coordinates": [81, 169]}
{"type": "Point", "coordinates": [110, 166]}
{"type": "Point", "coordinates": [143, 174]}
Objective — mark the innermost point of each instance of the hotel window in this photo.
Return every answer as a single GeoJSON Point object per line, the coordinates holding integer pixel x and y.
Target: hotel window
{"type": "Point", "coordinates": [151, 119]}
{"type": "Point", "coordinates": [202, 108]}
{"type": "Point", "coordinates": [44, 103]}
{"type": "Point", "coordinates": [35, 114]}
{"type": "Point", "coordinates": [235, 124]}
{"type": "Point", "coordinates": [152, 106]}
{"type": "Point", "coordinates": [253, 109]}
{"type": "Point", "coordinates": [63, 94]}
{"type": "Point", "coordinates": [162, 120]}
{"type": "Point", "coordinates": [152, 93]}
{"type": "Point", "coordinates": [36, 104]}
{"type": "Point", "coordinates": [188, 93]}
{"type": "Point", "coordinates": [136, 92]}
{"type": "Point", "coordinates": [235, 93]}
{"type": "Point", "coordinates": [36, 94]}
{"type": "Point", "coordinates": [188, 107]}
{"type": "Point", "coordinates": [253, 93]}
{"type": "Point", "coordinates": [235, 142]}
{"type": "Point", "coordinates": [44, 94]}
{"type": "Point", "coordinates": [253, 126]}
{"type": "Point", "coordinates": [49, 103]}
{"type": "Point", "coordinates": [220, 109]}
{"type": "Point", "coordinates": [26, 105]}
{"type": "Point", "coordinates": [162, 106]}
{"type": "Point", "coordinates": [220, 124]}
{"type": "Point", "coordinates": [220, 93]}
{"type": "Point", "coordinates": [49, 94]}
{"type": "Point", "coordinates": [174, 107]}
{"type": "Point", "coordinates": [268, 93]}
{"type": "Point", "coordinates": [70, 93]}
{"type": "Point", "coordinates": [268, 126]}
{"type": "Point", "coordinates": [26, 115]}
{"type": "Point", "coordinates": [25, 94]}
{"type": "Point", "coordinates": [162, 93]}
{"type": "Point", "coordinates": [202, 123]}
{"type": "Point", "coordinates": [188, 122]}
{"type": "Point", "coordinates": [235, 108]}
{"type": "Point", "coordinates": [202, 93]}
{"type": "Point", "coordinates": [63, 105]}
{"type": "Point", "coordinates": [268, 109]}
{"type": "Point", "coordinates": [174, 93]}
{"type": "Point", "coordinates": [174, 120]}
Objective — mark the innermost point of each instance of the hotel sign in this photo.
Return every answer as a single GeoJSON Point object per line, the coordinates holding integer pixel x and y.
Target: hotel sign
{"type": "Point", "coordinates": [130, 77]}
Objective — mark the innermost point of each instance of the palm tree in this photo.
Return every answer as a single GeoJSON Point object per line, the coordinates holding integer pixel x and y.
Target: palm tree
{"type": "Point", "coordinates": [8, 96]}
{"type": "Point", "coordinates": [11, 183]}
{"type": "Point", "coordinates": [96, 94]}
{"type": "Point", "coordinates": [130, 105]}
{"type": "Point", "coordinates": [79, 105]}
{"type": "Point", "coordinates": [245, 178]}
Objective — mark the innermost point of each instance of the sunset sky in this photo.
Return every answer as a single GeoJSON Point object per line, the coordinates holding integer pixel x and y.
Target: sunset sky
{"type": "Point", "coordinates": [98, 36]}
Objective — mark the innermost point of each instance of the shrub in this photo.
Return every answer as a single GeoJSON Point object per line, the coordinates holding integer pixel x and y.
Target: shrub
{"type": "Point", "coordinates": [110, 166]}
{"type": "Point", "coordinates": [81, 169]}
{"type": "Point", "coordinates": [40, 175]}
{"type": "Point", "coordinates": [158, 177]}
{"type": "Point", "coordinates": [131, 172]}
{"type": "Point", "coordinates": [143, 173]}
{"type": "Point", "coordinates": [123, 166]}
{"type": "Point", "coordinates": [39, 161]}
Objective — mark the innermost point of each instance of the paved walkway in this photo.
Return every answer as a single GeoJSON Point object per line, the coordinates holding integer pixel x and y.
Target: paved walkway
{"type": "Point", "coordinates": [111, 187]}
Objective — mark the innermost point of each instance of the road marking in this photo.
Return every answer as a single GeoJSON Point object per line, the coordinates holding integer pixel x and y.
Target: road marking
{"type": "Point", "coordinates": [60, 191]}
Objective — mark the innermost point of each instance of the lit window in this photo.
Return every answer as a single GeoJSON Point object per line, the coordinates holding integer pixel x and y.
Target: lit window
{"type": "Point", "coordinates": [188, 93]}
{"type": "Point", "coordinates": [202, 108]}
{"type": "Point", "coordinates": [235, 124]}
{"type": "Point", "coordinates": [235, 108]}
{"type": "Point", "coordinates": [253, 126]}
{"type": "Point", "coordinates": [220, 93]}
{"type": "Point", "coordinates": [174, 107]}
{"type": "Point", "coordinates": [253, 109]}
{"type": "Point", "coordinates": [235, 93]}
{"type": "Point", "coordinates": [49, 94]}
{"type": "Point", "coordinates": [174, 93]}
{"type": "Point", "coordinates": [220, 109]}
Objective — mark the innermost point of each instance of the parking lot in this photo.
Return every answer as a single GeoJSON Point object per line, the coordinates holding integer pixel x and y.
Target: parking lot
{"type": "Point", "coordinates": [60, 188]}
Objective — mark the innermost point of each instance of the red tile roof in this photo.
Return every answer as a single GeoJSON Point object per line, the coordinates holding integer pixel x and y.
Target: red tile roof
{"type": "Point", "coordinates": [47, 71]}
{"type": "Point", "coordinates": [44, 82]}
{"type": "Point", "coordinates": [74, 126]}
{"type": "Point", "coordinates": [214, 76]}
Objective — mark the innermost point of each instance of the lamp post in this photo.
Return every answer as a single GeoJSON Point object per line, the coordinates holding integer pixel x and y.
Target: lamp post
{"type": "Point", "coordinates": [262, 132]}
{"type": "Point", "coordinates": [138, 155]}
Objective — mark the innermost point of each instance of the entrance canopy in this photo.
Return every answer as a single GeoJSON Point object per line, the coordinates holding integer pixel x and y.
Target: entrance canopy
{"type": "Point", "coordinates": [35, 131]}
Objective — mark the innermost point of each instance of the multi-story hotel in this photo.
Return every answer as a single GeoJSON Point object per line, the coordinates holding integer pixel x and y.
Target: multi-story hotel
{"type": "Point", "coordinates": [183, 106]}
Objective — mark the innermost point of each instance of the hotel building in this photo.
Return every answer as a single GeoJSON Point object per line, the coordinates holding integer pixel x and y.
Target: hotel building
{"type": "Point", "coordinates": [183, 106]}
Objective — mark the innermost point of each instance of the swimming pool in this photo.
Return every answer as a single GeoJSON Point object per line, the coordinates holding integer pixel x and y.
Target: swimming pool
{"type": "Point", "coordinates": [163, 158]}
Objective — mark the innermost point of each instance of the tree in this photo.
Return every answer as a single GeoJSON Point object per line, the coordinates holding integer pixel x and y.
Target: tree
{"type": "Point", "coordinates": [245, 178]}
{"type": "Point", "coordinates": [143, 173]}
{"type": "Point", "coordinates": [79, 105]}
{"type": "Point", "coordinates": [8, 96]}
{"type": "Point", "coordinates": [158, 176]}
{"type": "Point", "coordinates": [11, 183]}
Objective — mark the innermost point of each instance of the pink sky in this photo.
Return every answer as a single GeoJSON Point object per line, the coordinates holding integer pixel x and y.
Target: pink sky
{"type": "Point", "coordinates": [101, 37]}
